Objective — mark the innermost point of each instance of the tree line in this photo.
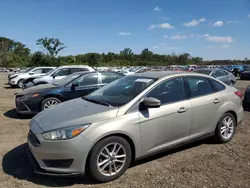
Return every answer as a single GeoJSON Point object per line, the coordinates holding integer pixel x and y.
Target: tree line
{"type": "Point", "coordinates": [17, 54]}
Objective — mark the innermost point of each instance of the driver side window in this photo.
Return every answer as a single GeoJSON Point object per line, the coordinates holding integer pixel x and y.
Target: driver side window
{"type": "Point", "coordinates": [169, 91]}
{"type": "Point", "coordinates": [37, 71]}
{"type": "Point", "coordinates": [62, 72]}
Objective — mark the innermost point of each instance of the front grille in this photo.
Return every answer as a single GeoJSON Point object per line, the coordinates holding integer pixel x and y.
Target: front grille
{"type": "Point", "coordinates": [65, 163]}
{"type": "Point", "coordinates": [33, 139]}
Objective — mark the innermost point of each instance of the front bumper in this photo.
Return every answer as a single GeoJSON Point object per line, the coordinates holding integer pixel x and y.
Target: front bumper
{"type": "Point", "coordinates": [12, 82]}
{"type": "Point", "coordinates": [28, 106]}
{"type": "Point", "coordinates": [60, 150]}
{"type": "Point", "coordinates": [40, 171]}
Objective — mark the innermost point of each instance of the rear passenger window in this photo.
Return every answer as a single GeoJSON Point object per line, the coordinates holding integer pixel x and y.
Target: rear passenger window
{"type": "Point", "coordinates": [199, 86]}
{"type": "Point", "coordinates": [217, 86]}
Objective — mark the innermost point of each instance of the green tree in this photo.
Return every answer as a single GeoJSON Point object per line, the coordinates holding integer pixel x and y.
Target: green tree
{"type": "Point", "coordinates": [52, 45]}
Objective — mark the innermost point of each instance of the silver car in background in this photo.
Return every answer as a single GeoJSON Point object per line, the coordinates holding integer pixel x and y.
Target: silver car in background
{"type": "Point", "coordinates": [220, 74]}
{"type": "Point", "coordinates": [130, 118]}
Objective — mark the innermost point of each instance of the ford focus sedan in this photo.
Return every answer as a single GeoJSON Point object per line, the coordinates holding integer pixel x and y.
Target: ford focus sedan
{"type": "Point", "coordinates": [133, 117]}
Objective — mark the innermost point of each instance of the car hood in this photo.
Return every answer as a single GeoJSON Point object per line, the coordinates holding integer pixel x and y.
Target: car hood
{"type": "Point", "coordinates": [74, 112]}
{"type": "Point", "coordinates": [42, 78]}
{"type": "Point", "coordinates": [35, 89]}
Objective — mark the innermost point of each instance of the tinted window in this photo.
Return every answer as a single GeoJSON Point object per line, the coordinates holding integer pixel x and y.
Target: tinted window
{"type": "Point", "coordinates": [207, 72]}
{"type": "Point", "coordinates": [219, 73]}
{"type": "Point", "coordinates": [109, 77]}
{"type": "Point", "coordinates": [38, 71]}
{"type": "Point", "coordinates": [89, 79]}
{"type": "Point", "coordinates": [46, 70]}
{"type": "Point", "coordinates": [217, 86]}
{"type": "Point", "coordinates": [63, 72]}
{"type": "Point", "coordinates": [78, 69]}
{"type": "Point", "coordinates": [199, 86]}
{"type": "Point", "coordinates": [169, 91]}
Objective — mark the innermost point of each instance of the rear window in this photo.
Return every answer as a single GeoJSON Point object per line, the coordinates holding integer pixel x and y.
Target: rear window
{"type": "Point", "coordinates": [216, 85]}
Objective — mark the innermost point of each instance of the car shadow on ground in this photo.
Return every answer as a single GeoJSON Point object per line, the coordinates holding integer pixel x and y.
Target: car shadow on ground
{"type": "Point", "coordinates": [14, 115]}
{"type": "Point", "coordinates": [16, 163]}
{"type": "Point", "coordinates": [246, 106]}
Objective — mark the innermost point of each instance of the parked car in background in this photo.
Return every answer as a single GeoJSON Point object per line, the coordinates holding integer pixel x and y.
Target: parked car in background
{"type": "Point", "coordinates": [35, 99]}
{"type": "Point", "coordinates": [247, 97]}
{"type": "Point", "coordinates": [18, 78]}
{"type": "Point", "coordinates": [222, 75]}
{"type": "Point", "coordinates": [245, 75]}
{"type": "Point", "coordinates": [125, 72]}
{"type": "Point", "coordinates": [55, 75]}
{"type": "Point", "coordinates": [133, 117]}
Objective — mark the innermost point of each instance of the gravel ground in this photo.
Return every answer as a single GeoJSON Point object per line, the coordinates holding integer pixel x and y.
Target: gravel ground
{"type": "Point", "coordinates": [201, 164]}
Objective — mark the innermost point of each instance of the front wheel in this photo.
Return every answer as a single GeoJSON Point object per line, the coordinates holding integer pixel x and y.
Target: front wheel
{"type": "Point", "coordinates": [109, 159]}
{"type": "Point", "coordinates": [225, 129]}
{"type": "Point", "coordinates": [49, 102]}
{"type": "Point", "coordinates": [20, 83]}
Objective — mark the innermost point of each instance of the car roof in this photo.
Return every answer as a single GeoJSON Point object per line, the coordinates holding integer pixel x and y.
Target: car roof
{"type": "Point", "coordinates": [73, 66]}
{"type": "Point", "coordinates": [160, 74]}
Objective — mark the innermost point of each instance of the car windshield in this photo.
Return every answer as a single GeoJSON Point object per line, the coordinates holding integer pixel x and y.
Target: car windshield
{"type": "Point", "coordinates": [207, 72]}
{"type": "Point", "coordinates": [121, 91]}
{"type": "Point", "coordinates": [67, 79]}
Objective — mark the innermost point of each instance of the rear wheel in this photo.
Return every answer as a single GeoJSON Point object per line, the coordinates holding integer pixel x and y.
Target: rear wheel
{"type": "Point", "coordinates": [225, 129]}
{"type": "Point", "coordinates": [109, 159]}
{"type": "Point", "coordinates": [49, 102]}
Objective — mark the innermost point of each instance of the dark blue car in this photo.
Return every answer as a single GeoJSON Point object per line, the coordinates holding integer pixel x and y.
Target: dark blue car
{"type": "Point", "coordinates": [35, 99]}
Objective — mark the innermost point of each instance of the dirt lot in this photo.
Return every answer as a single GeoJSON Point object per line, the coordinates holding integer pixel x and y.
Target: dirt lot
{"type": "Point", "coordinates": [202, 164]}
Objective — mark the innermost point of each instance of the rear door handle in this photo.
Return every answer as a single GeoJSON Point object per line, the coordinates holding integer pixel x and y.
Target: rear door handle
{"type": "Point", "coordinates": [182, 109]}
{"type": "Point", "coordinates": [216, 101]}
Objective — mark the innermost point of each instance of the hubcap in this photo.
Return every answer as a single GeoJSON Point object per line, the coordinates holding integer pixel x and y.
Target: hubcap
{"type": "Point", "coordinates": [227, 127]}
{"type": "Point", "coordinates": [50, 103]}
{"type": "Point", "coordinates": [111, 159]}
{"type": "Point", "coordinates": [20, 84]}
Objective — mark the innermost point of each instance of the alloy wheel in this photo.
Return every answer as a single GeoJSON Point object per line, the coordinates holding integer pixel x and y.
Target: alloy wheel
{"type": "Point", "coordinates": [50, 103]}
{"type": "Point", "coordinates": [227, 128]}
{"type": "Point", "coordinates": [111, 159]}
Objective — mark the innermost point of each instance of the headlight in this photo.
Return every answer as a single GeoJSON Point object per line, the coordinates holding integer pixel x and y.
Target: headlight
{"type": "Point", "coordinates": [25, 97]}
{"type": "Point", "coordinates": [65, 133]}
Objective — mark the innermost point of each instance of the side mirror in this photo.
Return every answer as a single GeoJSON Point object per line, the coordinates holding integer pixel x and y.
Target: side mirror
{"type": "Point", "coordinates": [31, 73]}
{"type": "Point", "coordinates": [54, 75]}
{"type": "Point", "coordinates": [151, 102]}
{"type": "Point", "coordinates": [74, 85]}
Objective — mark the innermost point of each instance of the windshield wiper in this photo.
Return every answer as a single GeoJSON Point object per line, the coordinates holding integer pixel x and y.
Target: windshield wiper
{"type": "Point", "coordinates": [97, 102]}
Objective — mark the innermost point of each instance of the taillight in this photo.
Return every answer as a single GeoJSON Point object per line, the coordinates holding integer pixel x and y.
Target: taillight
{"type": "Point", "coordinates": [239, 94]}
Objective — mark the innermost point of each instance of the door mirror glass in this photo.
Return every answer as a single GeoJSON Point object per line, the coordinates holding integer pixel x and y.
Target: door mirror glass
{"type": "Point", "coordinates": [151, 102]}
{"type": "Point", "coordinates": [74, 85]}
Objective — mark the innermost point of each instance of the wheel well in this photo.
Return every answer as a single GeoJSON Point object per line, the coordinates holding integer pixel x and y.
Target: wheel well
{"type": "Point", "coordinates": [234, 114]}
{"type": "Point", "coordinates": [127, 138]}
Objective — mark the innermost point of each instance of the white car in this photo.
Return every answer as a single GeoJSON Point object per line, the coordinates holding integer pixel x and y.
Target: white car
{"type": "Point", "coordinates": [56, 74]}
{"type": "Point", "coordinates": [18, 78]}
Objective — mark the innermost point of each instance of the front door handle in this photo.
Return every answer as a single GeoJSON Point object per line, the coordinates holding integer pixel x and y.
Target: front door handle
{"type": "Point", "coordinates": [182, 109]}
{"type": "Point", "coordinates": [216, 101]}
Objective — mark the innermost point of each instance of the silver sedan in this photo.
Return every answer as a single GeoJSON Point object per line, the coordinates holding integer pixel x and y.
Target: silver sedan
{"type": "Point", "coordinates": [220, 74]}
{"type": "Point", "coordinates": [130, 118]}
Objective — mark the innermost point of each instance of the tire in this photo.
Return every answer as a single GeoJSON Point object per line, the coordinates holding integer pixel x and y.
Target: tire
{"type": "Point", "coordinates": [95, 156]}
{"type": "Point", "coordinates": [45, 104]}
{"type": "Point", "coordinates": [224, 129]}
{"type": "Point", "coordinates": [20, 83]}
